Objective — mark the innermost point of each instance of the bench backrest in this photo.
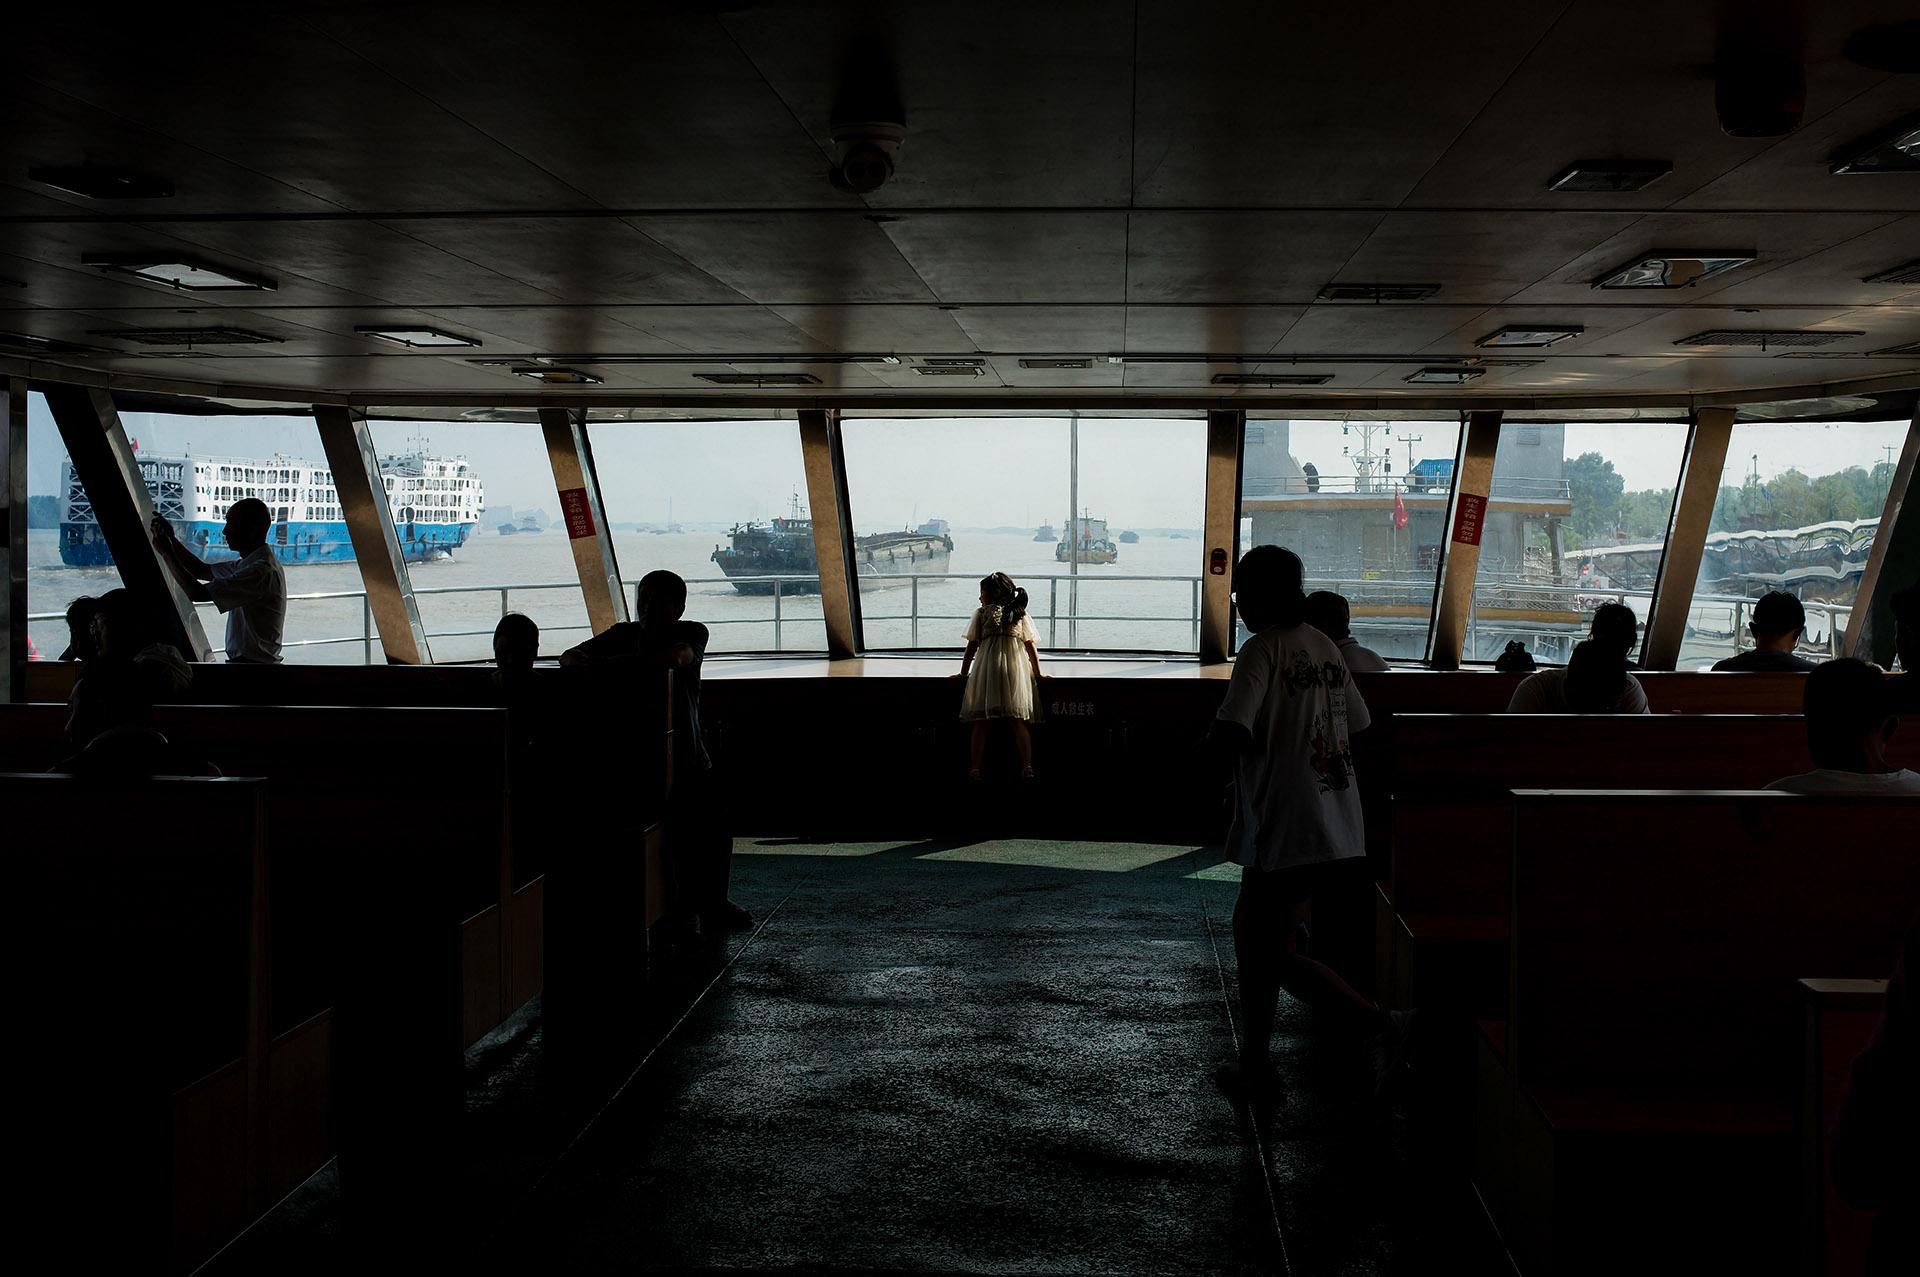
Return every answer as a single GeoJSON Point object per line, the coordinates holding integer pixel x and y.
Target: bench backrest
{"type": "Point", "coordinates": [1658, 935]}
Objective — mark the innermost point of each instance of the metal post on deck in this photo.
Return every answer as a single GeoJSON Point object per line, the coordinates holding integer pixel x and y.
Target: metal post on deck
{"type": "Point", "coordinates": [776, 613]}
{"type": "Point", "coordinates": [1196, 611]}
{"type": "Point", "coordinates": [914, 609]}
{"type": "Point", "coordinates": [1053, 612]}
{"type": "Point", "coordinates": [366, 629]}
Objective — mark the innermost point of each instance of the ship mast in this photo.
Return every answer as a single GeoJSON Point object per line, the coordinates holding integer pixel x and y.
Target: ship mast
{"type": "Point", "coordinates": [1367, 462]}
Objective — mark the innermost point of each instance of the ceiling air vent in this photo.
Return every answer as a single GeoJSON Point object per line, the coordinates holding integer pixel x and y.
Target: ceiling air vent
{"type": "Point", "coordinates": [1908, 274]}
{"type": "Point", "coordinates": [1378, 292]}
{"type": "Point", "coordinates": [931, 369]}
{"type": "Point", "coordinates": [1444, 376]}
{"type": "Point", "coordinates": [1064, 361]}
{"type": "Point", "coordinates": [188, 336]}
{"type": "Point", "coordinates": [1910, 348]}
{"type": "Point", "coordinates": [1614, 177]}
{"type": "Point", "coordinates": [1272, 378]}
{"type": "Point", "coordinates": [1767, 338]}
{"type": "Point", "coordinates": [758, 378]}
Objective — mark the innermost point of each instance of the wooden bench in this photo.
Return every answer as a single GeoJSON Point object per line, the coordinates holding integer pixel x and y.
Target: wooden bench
{"type": "Point", "coordinates": [1840, 1019]}
{"type": "Point", "coordinates": [141, 1072]}
{"type": "Point", "coordinates": [1640, 1099]}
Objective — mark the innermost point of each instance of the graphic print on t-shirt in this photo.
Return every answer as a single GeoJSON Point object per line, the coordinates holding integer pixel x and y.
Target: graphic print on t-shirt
{"type": "Point", "coordinates": [1332, 757]}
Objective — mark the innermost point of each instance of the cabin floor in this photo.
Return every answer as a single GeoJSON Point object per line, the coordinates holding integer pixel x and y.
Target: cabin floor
{"type": "Point", "coordinates": [978, 1057]}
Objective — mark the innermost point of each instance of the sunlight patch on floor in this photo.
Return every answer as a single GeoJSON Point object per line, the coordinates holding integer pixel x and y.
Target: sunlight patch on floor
{"type": "Point", "coordinates": [782, 847]}
{"type": "Point", "coordinates": [1225, 871]}
{"type": "Point", "coordinates": [1097, 857]}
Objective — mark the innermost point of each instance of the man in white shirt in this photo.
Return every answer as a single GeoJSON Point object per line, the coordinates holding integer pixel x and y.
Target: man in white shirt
{"type": "Point", "coordinates": [1290, 709]}
{"type": "Point", "coordinates": [1328, 612]}
{"type": "Point", "coordinates": [1850, 723]}
{"type": "Point", "coordinates": [251, 590]}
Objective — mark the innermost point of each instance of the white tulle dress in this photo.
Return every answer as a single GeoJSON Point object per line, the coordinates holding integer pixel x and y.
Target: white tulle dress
{"type": "Point", "coordinates": [1001, 683]}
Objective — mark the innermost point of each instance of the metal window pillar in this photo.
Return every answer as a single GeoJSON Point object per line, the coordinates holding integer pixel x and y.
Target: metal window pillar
{"type": "Point", "coordinates": [13, 549]}
{"type": "Point", "coordinates": [1220, 542]}
{"type": "Point", "coordinates": [348, 443]}
{"type": "Point", "coordinates": [1894, 561]}
{"type": "Point", "coordinates": [571, 456]}
{"type": "Point", "coordinates": [1466, 521]}
{"type": "Point", "coordinates": [826, 469]}
{"type": "Point", "coordinates": [97, 444]}
{"type": "Point", "coordinates": [1687, 530]}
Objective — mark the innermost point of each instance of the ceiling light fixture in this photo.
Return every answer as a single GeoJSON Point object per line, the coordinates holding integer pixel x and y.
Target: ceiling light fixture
{"type": "Point", "coordinates": [181, 272]}
{"type": "Point", "coordinates": [954, 361]}
{"type": "Point", "coordinates": [96, 182]}
{"type": "Point", "coordinates": [1525, 336]}
{"type": "Point", "coordinates": [1444, 376]}
{"type": "Point", "coordinates": [417, 338]}
{"type": "Point", "coordinates": [1907, 274]}
{"type": "Point", "coordinates": [1613, 177]}
{"type": "Point", "coordinates": [1059, 362]}
{"type": "Point", "coordinates": [668, 360]}
{"type": "Point", "coordinates": [1672, 270]}
{"type": "Point", "coordinates": [951, 370]}
{"type": "Point", "coordinates": [1895, 151]}
{"type": "Point", "coordinates": [555, 376]}
{"type": "Point", "coordinates": [1766, 338]}
{"type": "Point", "coordinates": [188, 336]}
{"type": "Point", "coordinates": [758, 378]}
{"type": "Point", "coordinates": [1271, 379]}
{"type": "Point", "coordinates": [1377, 292]}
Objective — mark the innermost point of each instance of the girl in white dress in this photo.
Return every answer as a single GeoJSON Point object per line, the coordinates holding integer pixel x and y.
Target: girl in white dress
{"type": "Point", "coordinates": [1005, 667]}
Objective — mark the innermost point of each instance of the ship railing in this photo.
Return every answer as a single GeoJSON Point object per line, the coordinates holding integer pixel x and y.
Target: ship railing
{"type": "Point", "coordinates": [1071, 618]}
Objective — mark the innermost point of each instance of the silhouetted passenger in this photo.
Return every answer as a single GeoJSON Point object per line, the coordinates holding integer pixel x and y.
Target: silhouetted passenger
{"type": "Point", "coordinates": [1876, 1140]}
{"type": "Point", "coordinates": [1297, 826]}
{"type": "Point", "coordinates": [700, 849]}
{"type": "Point", "coordinates": [1515, 659]}
{"type": "Point", "coordinates": [516, 645]}
{"type": "Point", "coordinates": [1848, 707]}
{"type": "Point", "coordinates": [1312, 472]}
{"type": "Point", "coordinates": [131, 671]}
{"type": "Point", "coordinates": [80, 615]}
{"type": "Point", "coordinates": [1778, 621]}
{"type": "Point", "coordinates": [1005, 664]}
{"type": "Point", "coordinates": [1598, 679]}
{"type": "Point", "coordinates": [251, 590]}
{"type": "Point", "coordinates": [1328, 612]}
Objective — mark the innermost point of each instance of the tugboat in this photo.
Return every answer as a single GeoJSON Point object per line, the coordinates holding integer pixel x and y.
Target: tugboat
{"type": "Point", "coordinates": [1129, 538]}
{"type": "Point", "coordinates": [784, 548]}
{"type": "Point", "coordinates": [1091, 540]}
{"type": "Point", "coordinates": [1045, 532]}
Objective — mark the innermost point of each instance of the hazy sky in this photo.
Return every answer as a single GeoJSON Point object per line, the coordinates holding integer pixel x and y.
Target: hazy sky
{"type": "Point", "coordinates": [986, 471]}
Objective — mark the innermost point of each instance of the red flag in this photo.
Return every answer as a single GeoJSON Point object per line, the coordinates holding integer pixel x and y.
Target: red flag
{"type": "Point", "coordinates": [1399, 510]}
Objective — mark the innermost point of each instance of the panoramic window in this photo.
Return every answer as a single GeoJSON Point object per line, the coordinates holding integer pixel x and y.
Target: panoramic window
{"type": "Point", "coordinates": [1364, 505]}
{"type": "Point", "coordinates": [65, 558]}
{"type": "Point", "coordinates": [724, 504]}
{"type": "Point", "coordinates": [1577, 518]}
{"type": "Point", "coordinates": [478, 521]}
{"type": "Point", "coordinates": [1097, 518]}
{"type": "Point", "coordinates": [1798, 509]}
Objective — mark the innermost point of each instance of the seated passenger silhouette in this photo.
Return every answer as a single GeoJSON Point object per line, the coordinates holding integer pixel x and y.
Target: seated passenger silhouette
{"type": "Point", "coordinates": [1328, 612]}
{"type": "Point", "coordinates": [1285, 725]}
{"type": "Point", "coordinates": [699, 850]}
{"type": "Point", "coordinates": [516, 645]}
{"type": "Point", "coordinates": [80, 615]}
{"type": "Point", "coordinates": [251, 590]}
{"type": "Point", "coordinates": [1848, 707]}
{"type": "Point", "coordinates": [131, 670]}
{"type": "Point", "coordinates": [1878, 1131]}
{"type": "Point", "coordinates": [1778, 621]}
{"type": "Point", "coordinates": [1598, 679]}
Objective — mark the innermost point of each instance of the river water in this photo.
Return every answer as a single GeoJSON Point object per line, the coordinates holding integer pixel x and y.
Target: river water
{"type": "Point", "coordinates": [1154, 615]}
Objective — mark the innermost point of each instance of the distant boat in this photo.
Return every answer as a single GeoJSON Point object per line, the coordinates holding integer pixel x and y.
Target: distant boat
{"type": "Point", "coordinates": [936, 528]}
{"type": "Point", "coordinates": [784, 548]}
{"type": "Point", "coordinates": [1090, 540]}
{"type": "Point", "coordinates": [1046, 533]}
{"type": "Point", "coordinates": [1129, 538]}
{"type": "Point", "coordinates": [671, 527]}
{"type": "Point", "coordinates": [525, 523]}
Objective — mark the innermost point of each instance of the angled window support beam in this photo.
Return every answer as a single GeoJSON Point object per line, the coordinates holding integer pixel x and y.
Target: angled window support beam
{"type": "Point", "coordinates": [1220, 543]}
{"type": "Point", "coordinates": [13, 548]}
{"type": "Point", "coordinates": [348, 443]}
{"type": "Point", "coordinates": [1892, 565]}
{"type": "Point", "coordinates": [571, 456]}
{"type": "Point", "coordinates": [1466, 523]}
{"type": "Point", "coordinates": [97, 444]}
{"type": "Point", "coordinates": [826, 469]}
{"type": "Point", "coordinates": [1687, 529]}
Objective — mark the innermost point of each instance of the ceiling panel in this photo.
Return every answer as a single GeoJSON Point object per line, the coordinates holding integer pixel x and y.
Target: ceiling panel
{"type": "Point", "coordinates": [1794, 171]}
{"type": "Point", "coordinates": [784, 258]}
{"type": "Point", "coordinates": [1239, 257]}
{"type": "Point", "coordinates": [1477, 257]}
{"type": "Point", "coordinates": [878, 328]}
{"type": "Point", "coordinates": [1053, 330]}
{"type": "Point", "coordinates": [1343, 328]}
{"type": "Point", "coordinates": [1035, 257]}
{"type": "Point", "coordinates": [580, 260]}
{"type": "Point", "coordinates": [1219, 330]}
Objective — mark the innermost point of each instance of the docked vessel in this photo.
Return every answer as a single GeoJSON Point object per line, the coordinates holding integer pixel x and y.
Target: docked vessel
{"type": "Point", "coordinates": [1088, 537]}
{"type": "Point", "coordinates": [436, 502]}
{"type": "Point", "coordinates": [784, 548]}
{"type": "Point", "coordinates": [1045, 532]}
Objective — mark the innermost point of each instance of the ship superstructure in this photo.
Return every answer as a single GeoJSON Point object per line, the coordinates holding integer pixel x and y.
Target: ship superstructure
{"type": "Point", "coordinates": [436, 502]}
{"type": "Point", "coordinates": [783, 547]}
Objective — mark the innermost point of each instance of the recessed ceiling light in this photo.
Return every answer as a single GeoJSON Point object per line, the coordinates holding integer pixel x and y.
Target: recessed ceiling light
{"type": "Point", "coordinates": [1611, 176]}
{"type": "Point", "coordinates": [1767, 338]}
{"type": "Point", "coordinates": [669, 360]}
{"type": "Point", "coordinates": [188, 336]}
{"type": "Point", "coordinates": [1445, 376]}
{"type": "Point", "coordinates": [1895, 151]}
{"type": "Point", "coordinates": [100, 183]}
{"type": "Point", "coordinates": [556, 376]}
{"type": "Point", "coordinates": [951, 370]}
{"type": "Point", "coordinates": [1062, 361]}
{"type": "Point", "coordinates": [420, 338]}
{"type": "Point", "coordinates": [758, 378]}
{"type": "Point", "coordinates": [1907, 274]}
{"type": "Point", "coordinates": [1672, 270]}
{"type": "Point", "coordinates": [953, 361]}
{"type": "Point", "coordinates": [1169, 357]}
{"type": "Point", "coordinates": [181, 272]}
{"type": "Point", "coordinates": [1793, 409]}
{"type": "Point", "coordinates": [1272, 378]}
{"type": "Point", "coordinates": [1520, 335]}
{"type": "Point", "coordinates": [1377, 292]}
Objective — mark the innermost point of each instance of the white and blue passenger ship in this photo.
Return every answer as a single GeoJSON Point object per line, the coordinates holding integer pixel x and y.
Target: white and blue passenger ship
{"type": "Point", "coordinates": [436, 503]}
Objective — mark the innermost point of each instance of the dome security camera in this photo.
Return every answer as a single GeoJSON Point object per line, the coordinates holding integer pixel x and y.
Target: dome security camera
{"type": "Point", "coordinates": [865, 149]}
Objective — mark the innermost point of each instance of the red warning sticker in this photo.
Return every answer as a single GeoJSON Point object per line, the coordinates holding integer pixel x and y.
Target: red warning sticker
{"type": "Point", "coordinates": [576, 511]}
{"type": "Point", "coordinates": [1467, 521]}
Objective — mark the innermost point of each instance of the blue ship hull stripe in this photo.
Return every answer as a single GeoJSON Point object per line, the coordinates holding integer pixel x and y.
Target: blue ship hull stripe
{"type": "Point", "coordinates": [82, 546]}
